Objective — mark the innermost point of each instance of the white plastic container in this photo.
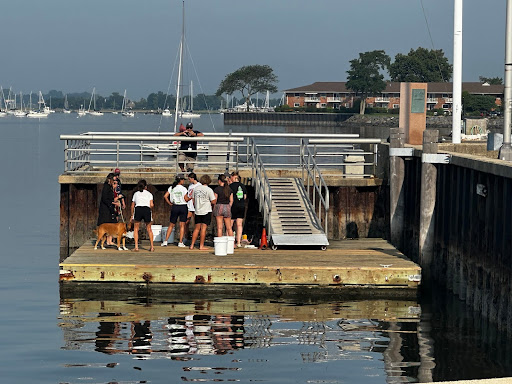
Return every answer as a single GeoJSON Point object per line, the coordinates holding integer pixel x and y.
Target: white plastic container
{"type": "Point", "coordinates": [157, 232]}
{"type": "Point", "coordinates": [221, 246]}
{"type": "Point", "coordinates": [170, 240]}
{"type": "Point", "coordinates": [231, 244]}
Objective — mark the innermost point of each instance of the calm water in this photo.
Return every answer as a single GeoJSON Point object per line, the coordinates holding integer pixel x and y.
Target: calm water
{"type": "Point", "coordinates": [49, 340]}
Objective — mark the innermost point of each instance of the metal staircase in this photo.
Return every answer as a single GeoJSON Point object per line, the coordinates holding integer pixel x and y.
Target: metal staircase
{"type": "Point", "coordinates": [290, 217]}
{"type": "Point", "coordinates": [293, 220]}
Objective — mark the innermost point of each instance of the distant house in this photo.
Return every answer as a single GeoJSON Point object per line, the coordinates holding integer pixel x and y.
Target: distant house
{"type": "Point", "coordinates": [334, 94]}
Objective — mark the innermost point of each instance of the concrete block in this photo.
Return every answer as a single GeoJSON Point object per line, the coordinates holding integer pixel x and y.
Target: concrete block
{"type": "Point", "coordinates": [494, 141]}
{"type": "Point", "coordinates": [354, 169]}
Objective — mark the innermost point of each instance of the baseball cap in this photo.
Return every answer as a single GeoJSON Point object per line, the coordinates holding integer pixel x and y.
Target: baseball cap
{"type": "Point", "coordinates": [190, 125]}
{"type": "Point", "coordinates": [117, 171]}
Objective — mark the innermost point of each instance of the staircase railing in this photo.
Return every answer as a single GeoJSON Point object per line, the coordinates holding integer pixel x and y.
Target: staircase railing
{"type": "Point", "coordinates": [312, 179]}
{"type": "Point", "coordinates": [261, 185]}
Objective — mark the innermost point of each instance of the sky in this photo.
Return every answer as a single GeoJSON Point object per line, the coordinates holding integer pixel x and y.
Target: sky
{"type": "Point", "coordinates": [113, 45]}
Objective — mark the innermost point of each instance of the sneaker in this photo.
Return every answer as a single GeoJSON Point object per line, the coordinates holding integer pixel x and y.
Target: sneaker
{"type": "Point", "coordinates": [181, 245]}
{"type": "Point", "coordinates": [164, 244]}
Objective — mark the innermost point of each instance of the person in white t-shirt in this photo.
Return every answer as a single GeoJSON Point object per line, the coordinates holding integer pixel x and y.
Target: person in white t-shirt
{"type": "Point", "coordinates": [203, 198]}
{"type": "Point", "coordinates": [175, 197]}
{"type": "Point", "coordinates": [142, 204]}
{"type": "Point", "coordinates": [192, 178]}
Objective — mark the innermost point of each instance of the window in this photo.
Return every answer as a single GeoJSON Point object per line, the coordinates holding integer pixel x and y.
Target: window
{"type": "Point", "coordinates": [396, 106]}
{"type": "Point", "coordinates": [297, 95]}
{"type": "Point", "coordinates": [370, 105]}
{"type": "Point", "coordinates": [446, 106]}
{"type": "Point", "coordinates": [323, 105]}
{"type": "Point", "coordinates": [296, 105]}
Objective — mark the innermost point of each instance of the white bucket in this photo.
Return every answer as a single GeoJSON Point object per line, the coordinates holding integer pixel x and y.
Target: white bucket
{"type": "Point", "coordinates": [221, 246]}
{"type": "Point", "coordinates": [157, 232]}
{"type": "Point", "coordinates": [231, 244]}
{"type": "Point", "coordinates": [170, 240]}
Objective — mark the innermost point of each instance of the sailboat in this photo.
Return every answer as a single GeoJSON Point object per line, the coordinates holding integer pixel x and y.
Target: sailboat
{"type": "Point", "coordinates": [20, 112]}
{"type": "Point", "coordinates": [94, 112]}
{"type": "Point", "coordinates": [190, 113]}
{"type": "Point", "coordinates": [42, 111]}
{"type": "Point", "coordinates": [124, 111]}
{"type": "Point", "coordinates": [3, 105]}
{"type": "Point", "coordinates": [81, 111]}
{"type": "Point", "coordinates": [66, 104]}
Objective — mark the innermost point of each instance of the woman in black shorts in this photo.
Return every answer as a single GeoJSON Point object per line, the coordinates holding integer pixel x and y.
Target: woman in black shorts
{"type": "Point", "coordinates": [142, 204]}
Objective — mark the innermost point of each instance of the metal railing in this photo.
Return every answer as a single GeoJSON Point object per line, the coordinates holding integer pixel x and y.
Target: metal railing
{"type": "Point", "coordinates": [261, 186]}
{"type": "Point", "coordinates": [84, 153]}
{"type": "Point", "coordinates": [312, 179]}
{"type": "Point", "coordinates": [152, 152]}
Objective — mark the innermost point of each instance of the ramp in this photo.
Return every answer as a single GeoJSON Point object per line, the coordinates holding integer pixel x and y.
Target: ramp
{"type": "Point", "coordinates": [293, 220]}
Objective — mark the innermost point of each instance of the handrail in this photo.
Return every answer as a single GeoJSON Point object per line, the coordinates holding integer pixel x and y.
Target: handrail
{"type": "Point", "coordinates": [262, 188]}
{"type": "Point", "coordinates": [309, 167]}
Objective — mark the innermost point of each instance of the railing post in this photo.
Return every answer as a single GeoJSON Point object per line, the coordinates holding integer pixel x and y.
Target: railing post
{"type": "Point", "coordinates": [117, 154]}
{"type": "Point", "coordinates": [66, 155]}
{"type": "Point", "coordinates": [141, 143]}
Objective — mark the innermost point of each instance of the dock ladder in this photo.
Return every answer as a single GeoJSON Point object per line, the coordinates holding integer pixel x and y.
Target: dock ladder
{"type": "Point", "coordinates": [289, 210]}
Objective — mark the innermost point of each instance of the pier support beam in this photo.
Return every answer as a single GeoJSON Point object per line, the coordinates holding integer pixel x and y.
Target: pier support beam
{"type": "Point", "coordinates": [396, 190]}
{"type": "Point", "coordinates": [427, 205]}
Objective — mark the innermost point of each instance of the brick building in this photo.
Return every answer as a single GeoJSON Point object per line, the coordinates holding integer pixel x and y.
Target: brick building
{"type": "Point", "coordinates": [334, 94]}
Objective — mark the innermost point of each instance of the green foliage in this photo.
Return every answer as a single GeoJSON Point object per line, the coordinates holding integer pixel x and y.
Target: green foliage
{"type": "Point", "coordinates": [472, 104]}
{"type": "Point", "coordinates": [249, 80]}
{"type": "Point", "coordinates": [421, 65]}
{"type": "Point", "coordinates": [284, 108]}
{"type": "Point", "coordinates": [491, 80]}
{"type": "Point", "coordinates": [365, 77]}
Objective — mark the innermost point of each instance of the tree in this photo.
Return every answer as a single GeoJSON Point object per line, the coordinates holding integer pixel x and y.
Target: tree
{"type": "Point", "coordinates": [491, 80]}
{"type": "Point", "coordinates": [477, 103]}
{"type": "Point", "coordinates": [249, 80]}
{"type": "Point", "coordinates": [365, 77]}
{"type": "Point", "coordinates": [422, 66]}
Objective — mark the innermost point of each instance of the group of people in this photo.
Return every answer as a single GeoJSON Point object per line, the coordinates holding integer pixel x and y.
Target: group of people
{"type": "Point", "coordinates": [226, 203]}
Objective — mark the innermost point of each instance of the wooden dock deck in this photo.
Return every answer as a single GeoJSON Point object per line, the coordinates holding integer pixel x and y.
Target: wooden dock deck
{"type": "Point", "coordinates": [352, 267]}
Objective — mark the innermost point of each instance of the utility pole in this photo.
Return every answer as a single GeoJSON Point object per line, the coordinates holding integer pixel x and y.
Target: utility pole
{"type": "Point", "coordinates": [506, 149]}
{"type": "Point", "coordinates": [457, 71]}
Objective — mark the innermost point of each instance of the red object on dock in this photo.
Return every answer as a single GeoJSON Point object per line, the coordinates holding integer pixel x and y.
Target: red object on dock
{"type": "Point", "coordinates": [263, 241]}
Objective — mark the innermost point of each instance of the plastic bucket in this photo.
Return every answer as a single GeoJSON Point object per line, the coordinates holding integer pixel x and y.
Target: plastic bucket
{"type": "Point", "coordinates": [157, 232]}
{"type": "Point", "coordinates": [231, 244]}
{"type": "Point", "coordinates": [170, 240]}
{"type": "Point", "coordinates": [221, 246]}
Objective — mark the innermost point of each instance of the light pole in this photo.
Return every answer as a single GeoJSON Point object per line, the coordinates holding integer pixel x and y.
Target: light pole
{"type": "Point", "coordinates": [457, 71]}
{"type": "Point", "coordinates": [506, 149]}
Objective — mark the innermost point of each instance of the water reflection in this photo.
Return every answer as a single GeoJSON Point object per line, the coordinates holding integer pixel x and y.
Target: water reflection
{"type": "Point", "coordinates": [378, 337]}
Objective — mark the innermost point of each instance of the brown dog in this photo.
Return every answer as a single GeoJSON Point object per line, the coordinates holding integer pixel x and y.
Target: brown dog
{"type": "Point", "coordinates": [112, 229]}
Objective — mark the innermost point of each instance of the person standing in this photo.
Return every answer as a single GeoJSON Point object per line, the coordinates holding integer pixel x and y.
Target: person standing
{"type": "Point", "coordinates": [108, 204]}
{"type": "Point", "coordinates": [203, 198]}
{"type": "Point", "coordinates": [192, 178]}
{"type": "Point", "coordinates": [187, 153]}
{"type": "Point", "coordinates": [175, 197]}
{"type": "Point", "coordinates": [222, 209]}
{"type": "Point", "coordinates": [142, 205]}
{"type": "Point", "coordinates": [118, 189]}
{"type": "Point", "coordinates": [238, 207]}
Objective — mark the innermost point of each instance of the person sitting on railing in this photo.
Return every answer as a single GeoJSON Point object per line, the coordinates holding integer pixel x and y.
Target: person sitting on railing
{"type": "Point", "coordinates": [187, 153]}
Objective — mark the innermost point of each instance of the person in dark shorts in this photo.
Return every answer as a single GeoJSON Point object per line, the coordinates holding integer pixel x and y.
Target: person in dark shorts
{"type": "Point", "coordinates": [175, 197]}
{"type": "Point", "coordinates": [187, 152]}
{"type": "Point", "coordinates": [142, 204]}
{"type": "Point", "coordinates": [108, 205]}
{"type": "Point", "coordinates": [238, 207]}
{"type": "Point", "coordinates": [203, 198]}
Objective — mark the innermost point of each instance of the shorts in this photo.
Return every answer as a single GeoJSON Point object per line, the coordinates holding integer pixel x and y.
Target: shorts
{"type": "Point", "coordinates": [237, 211]}
{"type": "Point", "coordinates": [143, 213]}
{"type": "Point", "coordinates": [184, 158]}
{"type": "Point", "coordinates": [204, 219]}
{"type": "Point", "coordinates": [180, 211]}
{"type": "Point", "coordinates": [222, 210]}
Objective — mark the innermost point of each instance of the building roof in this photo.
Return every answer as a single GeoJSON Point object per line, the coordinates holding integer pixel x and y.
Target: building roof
{"type": "Point", "coordinates": [394, 87]}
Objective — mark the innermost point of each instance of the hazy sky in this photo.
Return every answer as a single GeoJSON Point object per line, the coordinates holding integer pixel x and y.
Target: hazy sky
{"type": "Point", "coordinates": [73, 45]}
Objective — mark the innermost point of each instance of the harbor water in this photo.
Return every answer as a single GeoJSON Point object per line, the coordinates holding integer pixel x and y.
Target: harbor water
{"type": "Point", "coordinates": [49, 339]}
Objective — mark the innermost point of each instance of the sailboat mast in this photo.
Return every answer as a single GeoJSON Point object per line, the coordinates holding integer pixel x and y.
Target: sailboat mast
{"type": "Point", "coordinates": [180, 74]}
{"type": "Point", "coordinates": [191, 96]}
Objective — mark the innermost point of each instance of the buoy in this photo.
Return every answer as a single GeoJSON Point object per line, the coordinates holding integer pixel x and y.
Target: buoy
{"type": "Point", "coordinates": [263, 241]}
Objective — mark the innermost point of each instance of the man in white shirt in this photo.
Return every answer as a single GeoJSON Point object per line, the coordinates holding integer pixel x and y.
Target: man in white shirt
{"type": "Point", "coordinates": [203, 198]}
